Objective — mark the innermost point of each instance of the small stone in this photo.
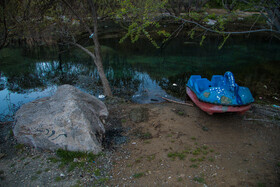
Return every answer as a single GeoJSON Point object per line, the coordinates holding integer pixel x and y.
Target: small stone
{"type": "Point", "coordinates": [2, 155]}
{"type": "Point", "coordinates": [133, 143]}
{"type": "Point", "coordinates": [204, 128]}
{"type": "Point", "coordinates": [62, 175]}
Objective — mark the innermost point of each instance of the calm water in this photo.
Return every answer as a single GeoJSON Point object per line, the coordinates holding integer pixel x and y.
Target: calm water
{"type": "Point", "coordinates": [138, 71]}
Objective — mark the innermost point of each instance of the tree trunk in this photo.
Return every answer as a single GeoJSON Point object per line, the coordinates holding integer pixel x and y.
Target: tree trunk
{"type": "Point", "coordinates": [5, 30]}
{"type": "Point", "coordinates": [97, 51]}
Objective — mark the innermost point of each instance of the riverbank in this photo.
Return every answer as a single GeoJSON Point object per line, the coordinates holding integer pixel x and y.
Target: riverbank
{"type": "Point", "coordinates": [160, 144]}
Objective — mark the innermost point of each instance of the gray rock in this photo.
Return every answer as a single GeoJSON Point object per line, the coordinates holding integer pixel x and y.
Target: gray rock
{"type": "Point", "coordinates": [70, 119]}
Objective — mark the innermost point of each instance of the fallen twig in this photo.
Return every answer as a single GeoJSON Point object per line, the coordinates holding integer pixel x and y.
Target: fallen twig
{"type": "Point", "coordinates": [173, 101]}
{"type": "Point", "coordinates": [261, 120]}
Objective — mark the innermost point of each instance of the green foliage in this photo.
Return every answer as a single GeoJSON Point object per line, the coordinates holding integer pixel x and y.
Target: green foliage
{"type": "Point", "coordinates": [19, 146]}
{"type": "Point", "coordinates": [151, 157]}
{"type": "Point", "coordinates": [138, 175]}
{"type": "Point", "coordinates": [146, 135]}
{"type": "Point", "coordinates": [199, 179]}
{"type": "Point", "coordinates": [212, 16]}
{"type": "Point", "coordinates": [224, 41]}
{"type": "Point", "coordinates": [38, 172]}
{"type": "Point", "coordinates": [141, 14]}
{"type": "Point", "coordinates": [193, 138]}
{"type": "Point", "coordinates": [173, 155]}
{"type": "Point", "coordinates": [193, 159]}
{"type": "Point", "coordinates": [57, 179]}
{"type": "Point", "coordinates": [34, 177]}
{"type": "Point", "coordinates": [53, 159]}
{"type": "Point", "coordinates": [196, 151]}
{"type": "Point", "coordinates": [202, 39]}
{"type": "Point", "coordinates": [97, 172]}
{"type": "Point", "coordinates": [260, 184]}
{"type": "Point", "coordinates": [194, 166]}
{"type": "Point", "coordinates": [68, 156]}
{"type": "Point", "coordinates": [195, 16]}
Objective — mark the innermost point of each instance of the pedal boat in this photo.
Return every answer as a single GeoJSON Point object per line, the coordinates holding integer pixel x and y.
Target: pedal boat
{"type": "Point", "coordinates": [219, 95]}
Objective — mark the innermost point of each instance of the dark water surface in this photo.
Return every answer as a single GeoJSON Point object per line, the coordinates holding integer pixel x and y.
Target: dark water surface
{"type": "Point", "coordinates": [139, 72]}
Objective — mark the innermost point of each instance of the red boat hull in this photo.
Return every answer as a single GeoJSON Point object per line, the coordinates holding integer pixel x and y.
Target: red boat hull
{"type": "Point", "coordinates": [212, 108]}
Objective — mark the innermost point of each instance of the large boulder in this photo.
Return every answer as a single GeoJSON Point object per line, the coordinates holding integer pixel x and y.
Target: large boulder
{"type": "Point", "coordinates": [70, 119]}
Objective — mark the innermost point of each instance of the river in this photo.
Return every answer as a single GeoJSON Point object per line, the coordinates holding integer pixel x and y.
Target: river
{"type": "Point", "coordinates": [138, 72]}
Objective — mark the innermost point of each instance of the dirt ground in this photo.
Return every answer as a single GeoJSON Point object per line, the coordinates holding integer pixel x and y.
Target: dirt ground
{"type": "Point", "coordinates": [166, 144]}
{"type": "Point", "coordinates": [183, 146]}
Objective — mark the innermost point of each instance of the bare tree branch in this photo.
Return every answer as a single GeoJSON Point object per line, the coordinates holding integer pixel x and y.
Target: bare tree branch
{"type": "Point", "coordinates": [222, 32]}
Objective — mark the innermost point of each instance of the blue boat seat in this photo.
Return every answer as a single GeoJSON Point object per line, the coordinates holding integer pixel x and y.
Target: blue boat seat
{"type": "Point", "coordinates": [217, 80]}
{"type": "Point", "coordinates": [193, 79]}
{"type": "Point", "coordinates": [202, 84]}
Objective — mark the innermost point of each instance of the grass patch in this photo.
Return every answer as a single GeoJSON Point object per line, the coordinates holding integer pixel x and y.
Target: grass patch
{"type": "Point", "coordinates": [180, 179]}
{"type": "Point", "coordinates": [34, 177]}
{"type": "Point", "coordinates": [73, 165]}
{"type": "Point", "coordinates": [201, 159]}
{"type": "Point", "coordinates": [123, 120]}
{"type": "Point", "coordinates": [26, 163]}
{"type": "Point", "coordinates": [103, 180]}
{"type": "Point", "coordinates": [47, 169]}
{"type": "Point", "coordinates": [193, 159]}
{"type": "Point", "coordinates": [97, 172]}
{"type": "Point", "coordinates": [151, 157]}
{"type": "Point", "coordinates": [187, 151]}
{"type": "Point", "coordinates": [278, 164]}
{"type": "Point", "coordinates": [39, 172]}
{"type": "Point", "coordinates": [260, 184]}
{"type": "Point", "coordinates": [57, 179]}
{"type": "Point", "coordinates": [199, 179]}
{"type": "Point", "coordinates": [205, 152]}
{"type": "Point", "coordinates": [12, 165]}
{"type": "Point", "coordinates": [193, 138]}
{"type": "Point", "coordinates": [11, 133]}
{"type": "Point", "coordinates": [53, 159]}
{"type": "Point", "coordinates": [138, 175]}
{"type": "Point", "coordinates": [204, 147]}
{"type": "Point", "coordinates": [138, 160]}
{"type": "Point", "coordinates": [181, 113]}
{"type": "Point", "coordinates": [19, 147]}
{"type": "Point", "coordinates": [146, 135]}
{"type": "Point", "coordinates": [66, 158]}
{"type": "Point", "coordinates": [147, 141]}
{"type": "Point", "coordinates": [197, 151]}
{"type": "Point", "coordinates": [211, 159]}
{"type": "Point", "coordinates": [194, 166]}
{"type": "Point", "coordinates": [1, 175]}
{"type": "Point", "coordinates": [173, 155]}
